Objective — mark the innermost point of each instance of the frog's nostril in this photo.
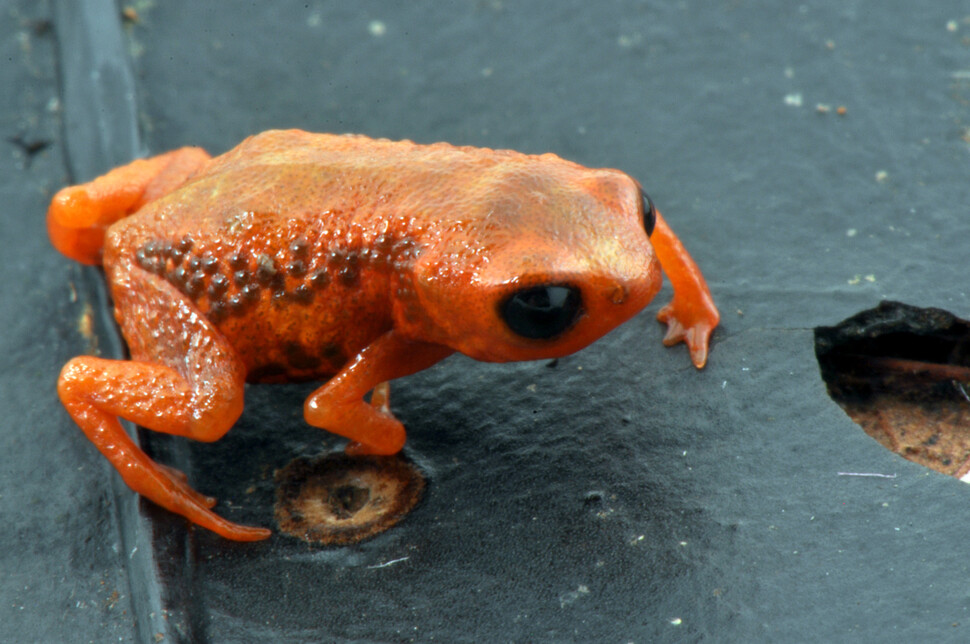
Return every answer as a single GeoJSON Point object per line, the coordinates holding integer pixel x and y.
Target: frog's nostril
{"type": "Point", "coordinates": [618, 294]}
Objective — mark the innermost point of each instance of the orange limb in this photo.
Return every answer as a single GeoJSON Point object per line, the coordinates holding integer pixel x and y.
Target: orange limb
{"type": "Point", "coordinates": [79, 215]}
{"type": "Point", "coordinates": [184, 379]}
{"type": "Point", "coordinates": [691, 316]}
{"type": "Point", "coordinates": [339, 406]}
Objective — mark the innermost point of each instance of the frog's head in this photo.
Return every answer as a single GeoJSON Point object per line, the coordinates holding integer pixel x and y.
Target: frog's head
{"type": "Point", "coordinates": [537, 263]}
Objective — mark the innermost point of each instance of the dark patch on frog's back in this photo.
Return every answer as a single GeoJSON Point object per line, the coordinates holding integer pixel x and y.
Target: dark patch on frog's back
{"type": "Point", "coordinates": [226, 285]}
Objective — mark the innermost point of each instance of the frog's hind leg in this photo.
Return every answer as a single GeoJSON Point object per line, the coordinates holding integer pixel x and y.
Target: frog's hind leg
{"type": "Point", "coordinates": [79, 215]}
{"type": "Point", "coordinates": [184, 379]}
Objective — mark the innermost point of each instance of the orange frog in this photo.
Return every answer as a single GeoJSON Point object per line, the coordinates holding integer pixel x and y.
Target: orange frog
{"type": "Point", "coordinates": [300, 256]}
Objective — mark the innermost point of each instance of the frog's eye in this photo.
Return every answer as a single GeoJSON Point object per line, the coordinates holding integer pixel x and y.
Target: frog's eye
{"type": "Point", "coordinates": [649, 213]}
{"type": "Point", "coordinates": [542, 312]}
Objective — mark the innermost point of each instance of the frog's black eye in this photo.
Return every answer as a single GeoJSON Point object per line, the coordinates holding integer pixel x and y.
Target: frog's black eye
{"type": "Point", "coordinates": [649, 213]}
{"type": "Point", "coordinates": [542, 312]}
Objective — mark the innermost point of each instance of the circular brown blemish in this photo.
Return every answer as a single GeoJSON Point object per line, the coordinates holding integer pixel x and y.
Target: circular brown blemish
{"type": "Point", "coordinates": [338, 499]}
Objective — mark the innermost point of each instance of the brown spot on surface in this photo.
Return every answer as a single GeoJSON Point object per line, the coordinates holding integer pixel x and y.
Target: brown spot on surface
{"type": "Point", "coordinates": [339, 499]}
{"type": "Point", "coordinates": [902, 373]}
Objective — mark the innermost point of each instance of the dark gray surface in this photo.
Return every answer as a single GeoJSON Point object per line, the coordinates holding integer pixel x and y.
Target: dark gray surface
{"type": "Point", "coordinates": [601, 503]}
{"type": "Point", "coordinates": [61, 573]}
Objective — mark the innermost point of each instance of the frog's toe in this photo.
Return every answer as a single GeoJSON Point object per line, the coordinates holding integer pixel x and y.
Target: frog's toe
{"type": "Point", "coordinates": [695, 333]}
{"type": "Point", "coordinates": [180, 484]}
{"type": "Point", "coordinates": [196, 508]}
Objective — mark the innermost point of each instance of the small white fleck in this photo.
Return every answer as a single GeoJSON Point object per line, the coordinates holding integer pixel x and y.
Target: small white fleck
{"type": "Point", "coordinates": [952, 25]}
{"type": "Point", "coordinates": [388, 563]}
{"type": "Point", "coordinates": [376, 28]}
{"type": "Point", "coordinates": [629, 40]}
{"type": "Point", "coordinates": [794, 99]}
{"type": "Point", "coordinates": [881, 175]}
{"type": "Point", "coordinates": [676, 621]}
{"type": "Point", "coordinates": [133, 551]}
{"type": "Point", "coordinates": [852, 232]}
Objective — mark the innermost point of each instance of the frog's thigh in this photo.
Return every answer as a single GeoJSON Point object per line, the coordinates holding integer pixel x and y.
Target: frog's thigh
{"type": "Point", "coordinates": [183, 377]}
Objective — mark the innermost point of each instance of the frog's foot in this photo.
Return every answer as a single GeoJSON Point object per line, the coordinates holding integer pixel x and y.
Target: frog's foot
{"type": "Point", "coordinates": [179, 497]}
{"type": "Point", "coordinates": [339, 405]}
{"type": "Point", "coordinates": [692, 325]}
{"type": "Point", "coordinates": [96, 391]}
{"type": "Point", "coordinates": [178, 479]}
{"type": "Point", "coordinates": [380, 399]}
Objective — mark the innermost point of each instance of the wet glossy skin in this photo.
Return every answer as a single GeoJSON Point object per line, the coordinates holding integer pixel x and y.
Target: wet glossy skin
{"type": "Point", "coordinates": [306, 256]}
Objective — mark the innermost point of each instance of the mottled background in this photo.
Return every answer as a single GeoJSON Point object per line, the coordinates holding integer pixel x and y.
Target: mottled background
{"type": "Point", "coordinates": [617, 496]}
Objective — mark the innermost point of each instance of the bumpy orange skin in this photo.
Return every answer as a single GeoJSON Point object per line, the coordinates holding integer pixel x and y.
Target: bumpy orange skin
{"type": "Point", "coordinates": [307, 256]}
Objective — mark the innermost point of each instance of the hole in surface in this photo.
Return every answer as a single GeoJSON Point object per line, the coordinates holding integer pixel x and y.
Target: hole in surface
{"type": "Point", "coordinates": [903, 374]}
{"type": "Point", "coordinates": [338, 499]}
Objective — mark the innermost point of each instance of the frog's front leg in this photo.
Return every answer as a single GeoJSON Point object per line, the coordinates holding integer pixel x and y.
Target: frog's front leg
{"type": "Point", "coordinates": [691, 316]}
{"type": "Point", "coordinates": [339, 405]}
{"type": "Point", "coordinates": [184, 379]}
